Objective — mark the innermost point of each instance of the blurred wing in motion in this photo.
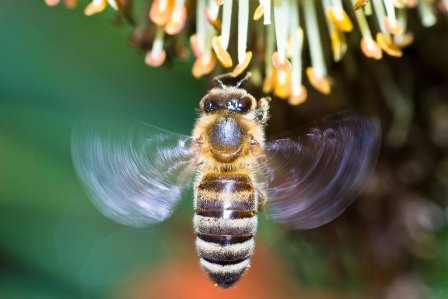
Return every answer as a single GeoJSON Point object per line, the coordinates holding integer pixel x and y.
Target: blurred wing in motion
{"type": "Point", "coordinates": [134, 173]}
{"type": "Point", "coordinates": [312, 179]}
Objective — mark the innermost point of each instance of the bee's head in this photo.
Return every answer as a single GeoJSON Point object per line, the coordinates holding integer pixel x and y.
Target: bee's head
{"type": "Point", "coordinates": [233, 99]}
{"type": "Point", "coordinates": [230, 98]}
{"type": "Point", "coordinates": [230, 118]}
{"type": "Point", "coordinates": [226, 108]}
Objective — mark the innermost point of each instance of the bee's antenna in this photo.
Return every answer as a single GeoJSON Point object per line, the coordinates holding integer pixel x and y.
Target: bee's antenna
{"type": "Point", "coordinates": [248, 75]}
{"type": "Point", "coordinates": [217, 79]}
{"type": "Point", "coordinates": [229, 75]}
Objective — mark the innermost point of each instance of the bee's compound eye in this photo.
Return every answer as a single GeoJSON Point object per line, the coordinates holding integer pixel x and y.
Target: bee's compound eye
{"type": "Point", "coordinates": [245, 104]}
{"type": "Point", "coordinates": [241, 105]}
{"type": "Point", "coordinates": [210, 105]}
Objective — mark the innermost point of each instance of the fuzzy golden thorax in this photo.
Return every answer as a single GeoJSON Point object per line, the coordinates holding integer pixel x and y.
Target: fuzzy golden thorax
{"type": "Point", "coordinates": [229, 132]}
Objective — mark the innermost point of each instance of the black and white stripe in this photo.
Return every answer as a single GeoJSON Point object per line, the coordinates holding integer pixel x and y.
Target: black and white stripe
{"type": "Point", "coordinates": [225, 223]}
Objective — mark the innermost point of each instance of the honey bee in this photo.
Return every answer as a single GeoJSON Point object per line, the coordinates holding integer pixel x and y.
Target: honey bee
{"type": "Point", "coordinates": [137, 174]}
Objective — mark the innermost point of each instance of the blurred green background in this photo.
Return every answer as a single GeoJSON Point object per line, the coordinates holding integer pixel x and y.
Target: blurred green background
{"type": "Point", "coordinates": [57, 66]}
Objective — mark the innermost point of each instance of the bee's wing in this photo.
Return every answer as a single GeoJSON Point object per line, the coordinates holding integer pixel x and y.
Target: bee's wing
{"type": "Point", "coordinates": [134, 173]}
{"type": "Point", "coordinates": [313, 178]}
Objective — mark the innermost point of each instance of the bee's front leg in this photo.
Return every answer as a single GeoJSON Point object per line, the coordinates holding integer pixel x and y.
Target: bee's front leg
{"type": "Point", "coordinates": [263, 110]}
{"type": "Point", "coordinates": [261, 198]}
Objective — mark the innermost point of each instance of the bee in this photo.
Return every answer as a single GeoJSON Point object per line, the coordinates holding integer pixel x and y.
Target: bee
{"type": "Point", "coordinates": [135, 175]}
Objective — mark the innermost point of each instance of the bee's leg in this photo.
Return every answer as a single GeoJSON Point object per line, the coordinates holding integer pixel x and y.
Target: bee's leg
{"type": "Point", "coordinates": [263, 110]}
{"type": "Point", "coordinates": [262, 199]}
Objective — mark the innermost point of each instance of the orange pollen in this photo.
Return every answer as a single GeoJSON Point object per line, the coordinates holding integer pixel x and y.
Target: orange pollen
{"type": "Point", "coordinates": [259, 12]}
{"type": "Point", "coordinates": [322, 83]}
{"type": "Point", "coordinates": [216, 23]}
{"type": "Point", "coordinates": [197, 51]}
{"type": "Point", "coordinates": [386, 43]}
{"type": "Point", "coordinates": [282, 84]}
{"type": "Point", "coordinates": [284, 65]}
{"type": "Point", "coordinates": [360, 4]}
{"type": "Point", "coordinates": [338, 44]}
{"type": "Point", "coordinates": [298, 95]}
{"type": "Point", "coordinates": [203, 65]}
{"type": "Point", "coordinates": [268, 83]}
{"type": "Point", "coordinates": [443, 6]}
{"type": "Point", "coordinates": [71, 3]}
{"type": "Point", "coordinates": [240, 68]}
{"type": "Point", "coordinates": [222, 55]}
{"type": "Point", "coordinates": [371, 49]}
{"type": "Point", "coordinates": [394, 28]}
{"type": "Point", "coordinates": [155, 60]}
{"type": "Point", "coordinates": [404, 40]}
{"type": "Point", "coordinates": [52, 2]}
{"type": "Point", "coordinates": [94, 8]}
{"type": "Point", "coordinates": [412, 3]}
{"type": "Point", "coordinates": [160, 11]}
{"type": "Point", "coordinates": [177, 20]}
{"type": "Point", "coordinates": [340, 19]}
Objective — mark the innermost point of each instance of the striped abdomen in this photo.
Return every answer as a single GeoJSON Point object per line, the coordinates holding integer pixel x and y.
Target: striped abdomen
{"type": "Point", "coordinates": [225, 224]}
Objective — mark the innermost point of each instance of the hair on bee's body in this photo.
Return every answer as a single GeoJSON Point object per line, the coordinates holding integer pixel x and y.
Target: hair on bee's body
{"type": "Point", "coordinates": [135, 173]}
{"type": "Point", "coordinates": [229, 134]}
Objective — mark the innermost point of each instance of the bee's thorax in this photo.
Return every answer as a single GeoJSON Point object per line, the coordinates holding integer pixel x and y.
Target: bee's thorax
{"type": "Point", "coordinates": [226, 139]}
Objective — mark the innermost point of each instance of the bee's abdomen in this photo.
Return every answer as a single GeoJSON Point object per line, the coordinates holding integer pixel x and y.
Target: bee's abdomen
{"type": "Point", "coordinates": [225, 223]}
